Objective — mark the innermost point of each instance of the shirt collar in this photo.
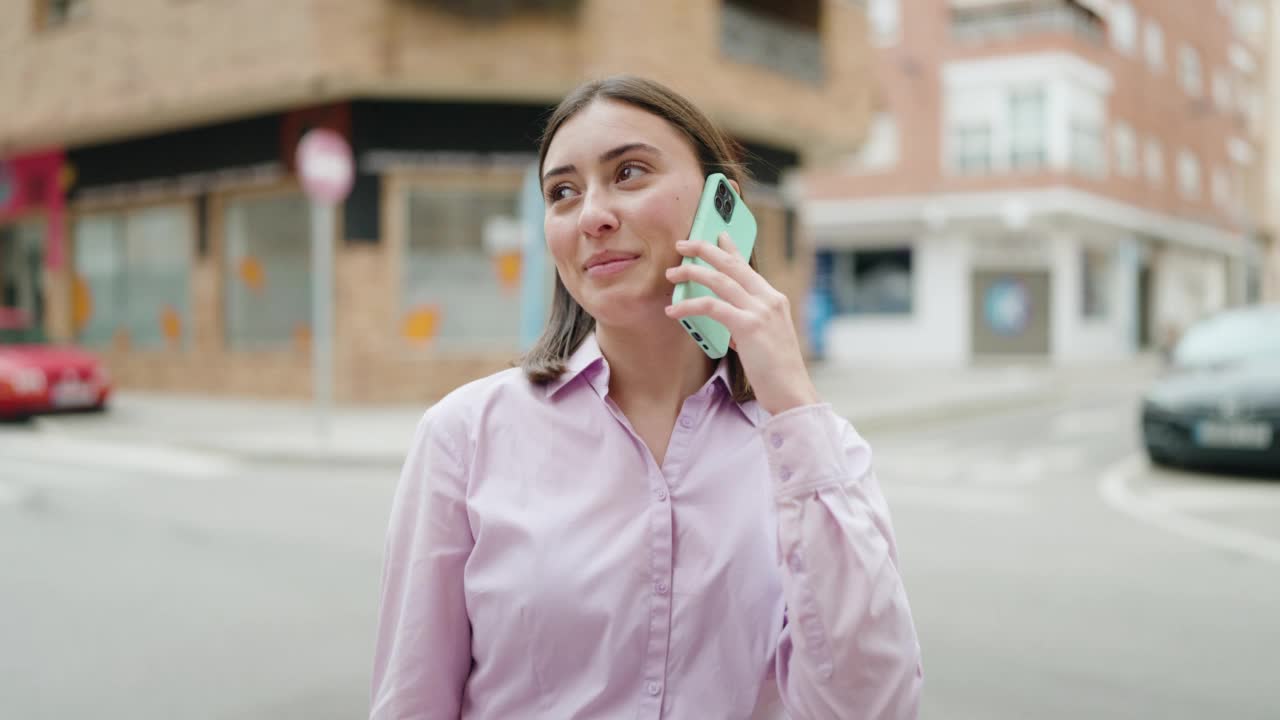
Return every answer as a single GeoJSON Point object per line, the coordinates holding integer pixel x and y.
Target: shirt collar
{"type": "Point", "coordinates": [590, 363]}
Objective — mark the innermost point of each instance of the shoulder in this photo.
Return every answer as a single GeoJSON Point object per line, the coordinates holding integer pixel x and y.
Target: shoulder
{"type": "Point", "coordinates": [458, 414]}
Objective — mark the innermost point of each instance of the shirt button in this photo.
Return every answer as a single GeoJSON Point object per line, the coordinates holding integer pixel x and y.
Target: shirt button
{"type": "Point", "coordinates": [776, 440]}
{"type": "Point", "coordinates": [654, 688]}
{"type": "Point", "coordinates": [786, 473]}
{"type": "Point", "coordinates": [660, 587]}
{"type": "Point", "coordinates": [661, 494]}
{"type": "Point", "coordinates": [686, 421]}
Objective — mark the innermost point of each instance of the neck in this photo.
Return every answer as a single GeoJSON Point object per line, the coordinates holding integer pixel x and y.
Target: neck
{"type": "Point", "coordinates": [655, 366]}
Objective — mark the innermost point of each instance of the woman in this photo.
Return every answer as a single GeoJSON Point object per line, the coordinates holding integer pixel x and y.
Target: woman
{"type": "Point", "coordinates": [623, 528]}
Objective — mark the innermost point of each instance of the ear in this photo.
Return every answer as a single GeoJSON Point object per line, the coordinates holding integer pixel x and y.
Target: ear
{"type": "Point", "coordinates": [736, 189]}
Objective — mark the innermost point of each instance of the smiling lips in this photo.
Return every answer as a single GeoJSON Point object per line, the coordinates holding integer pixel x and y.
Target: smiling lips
{"type": "Point", "coordinates": [609, 263]}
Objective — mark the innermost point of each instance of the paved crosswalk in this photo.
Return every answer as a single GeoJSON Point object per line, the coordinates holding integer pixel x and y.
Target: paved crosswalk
{"type": "Point", "coordinates": [36, 460]}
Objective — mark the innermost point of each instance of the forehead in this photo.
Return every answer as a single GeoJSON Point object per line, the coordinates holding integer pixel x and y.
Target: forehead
{"type": "Point", "coordinates": [605, 124]}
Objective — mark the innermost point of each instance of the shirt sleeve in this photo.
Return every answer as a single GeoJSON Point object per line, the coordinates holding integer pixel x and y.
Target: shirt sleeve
{"type": "Point", "coordinates": [848, 647]}
{"type": "Point", "coordinates": [423, 649]}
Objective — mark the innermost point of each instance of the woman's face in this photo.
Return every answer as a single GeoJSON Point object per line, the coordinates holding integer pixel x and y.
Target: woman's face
{"type": "Point", "coordinates": [621, 187]}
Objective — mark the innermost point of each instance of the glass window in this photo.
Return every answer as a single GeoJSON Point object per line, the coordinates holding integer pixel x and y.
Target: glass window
{"type": "Point", "coordinates": [1155, 162]}
{"type": "Point", "coordinates": [1124, 27]}
{"type": "Point", "coordinates": [1189, 175]}
{"type": "Point", "coordinates": [1221, 189]}
{"type": "Point", "coordinates": [1126, 150]}
{"type": "Point", "coordinates": [133, 273]}
{"type": "Point", "coordinates": [1222, 90]}
{"type": "Point", "coordinates": [1189, 63]}
{"type": "Point", "coordinates": [1027, 119]}
{"type": "Point", "coordinates": [880, 149]}
{"type": "Point", "coordinates": [1095, 286]}
{"type": "Point", "coordinates": [462, 269]}
{"type": "Point", "coordinates": [885, 18]}
{"type": "Point", "coordinates": [56, 13]}
{"type": "Point", "coordinates": [267, 274]}
{"type": "Point", "coordinates": [1088, 148]}
{"type": "Point", "coordinates": [872, 282]}
{"type": "Point", "coordinates": [1155, 45]}
{"type": "Point", "coordinates": [971, 149]}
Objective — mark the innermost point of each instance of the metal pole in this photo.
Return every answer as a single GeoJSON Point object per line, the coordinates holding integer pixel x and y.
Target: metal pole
{"type": "Point", "coordinates": [322, 313]}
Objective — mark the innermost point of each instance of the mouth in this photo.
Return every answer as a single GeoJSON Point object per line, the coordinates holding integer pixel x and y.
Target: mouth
{"type": "Point", "coordinates": [601, 267]}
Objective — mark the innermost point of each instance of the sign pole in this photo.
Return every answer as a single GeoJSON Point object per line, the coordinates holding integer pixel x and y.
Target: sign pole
{"type": "Point", "coordinates": [327, 171]}
{"type": "Point", "coordinates": [322, 223]}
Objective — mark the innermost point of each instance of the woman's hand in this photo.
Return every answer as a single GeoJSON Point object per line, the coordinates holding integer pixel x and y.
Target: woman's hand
{"type": "Point", "coordinates": [758, 317]}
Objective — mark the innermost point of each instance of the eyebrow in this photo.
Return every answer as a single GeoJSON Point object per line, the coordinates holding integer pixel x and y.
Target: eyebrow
{"type": "Point", "coordinates": [605, 156]}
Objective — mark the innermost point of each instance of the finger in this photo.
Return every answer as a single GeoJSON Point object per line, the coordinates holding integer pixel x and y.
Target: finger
{"type": "Point", "coordinates": [727, 262]}
{"type": "Point", "coordinates": [712, 307]}
{"type": "Point", "coordinates": [719, 283]}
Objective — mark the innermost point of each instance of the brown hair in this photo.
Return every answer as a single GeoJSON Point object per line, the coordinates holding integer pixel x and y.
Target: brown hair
{"type": "Point", "coordinates": [569, 323]}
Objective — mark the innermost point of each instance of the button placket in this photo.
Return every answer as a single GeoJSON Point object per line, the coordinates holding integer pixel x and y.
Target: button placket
{"type": "Point", "coordinates": [661, 567]}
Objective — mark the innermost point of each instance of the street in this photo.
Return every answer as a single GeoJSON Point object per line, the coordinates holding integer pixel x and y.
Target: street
{"type": "Point", "coordinates": [1052, 575]}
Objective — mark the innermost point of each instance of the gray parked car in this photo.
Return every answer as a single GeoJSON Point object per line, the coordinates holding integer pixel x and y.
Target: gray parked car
{"type": "Point", "coordinates": [1218, 406]}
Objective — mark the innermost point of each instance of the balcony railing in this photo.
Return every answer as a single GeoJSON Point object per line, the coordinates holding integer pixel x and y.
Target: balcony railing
{"type": "Point", "coordinates": [1006, 22]}
{"type": "Point", "coordinates": [496, 10]}
{"type": "Point", "coordinates": [758, 39]}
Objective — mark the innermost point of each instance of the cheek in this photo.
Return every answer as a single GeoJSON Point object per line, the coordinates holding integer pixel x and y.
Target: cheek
{"type": "Point", "coordinates": [670, 216]}
{"type": "Point", "coordinates": [561, 239]}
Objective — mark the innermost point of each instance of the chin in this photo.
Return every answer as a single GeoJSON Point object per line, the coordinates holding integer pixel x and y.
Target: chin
{"type": "Point", "coordinates": [625, 309]}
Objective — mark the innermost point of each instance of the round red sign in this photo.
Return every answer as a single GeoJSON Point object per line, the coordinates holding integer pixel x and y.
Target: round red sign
{"type": "Point", "coordinates": [325, 165]}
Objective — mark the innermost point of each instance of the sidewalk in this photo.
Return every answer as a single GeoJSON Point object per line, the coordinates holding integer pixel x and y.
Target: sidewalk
{"type": "Point", "coordinates": [272, 431]}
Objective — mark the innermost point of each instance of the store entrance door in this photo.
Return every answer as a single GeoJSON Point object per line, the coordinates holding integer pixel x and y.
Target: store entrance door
{"type": "Point", "coordinates": [22, 282]}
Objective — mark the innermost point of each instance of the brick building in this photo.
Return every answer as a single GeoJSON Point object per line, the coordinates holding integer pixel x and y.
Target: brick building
{"type": "Point", "coordinates": [149, 207]}
{"type": "Point", "coordinates": [1064, 180]}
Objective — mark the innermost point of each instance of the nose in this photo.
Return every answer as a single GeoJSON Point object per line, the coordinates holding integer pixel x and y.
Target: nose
{"type": "Point", "coordinates": [598, 217]}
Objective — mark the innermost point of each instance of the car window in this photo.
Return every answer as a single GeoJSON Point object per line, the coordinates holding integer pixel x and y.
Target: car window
{"type": "Point", "coordinates": [1231, 338]}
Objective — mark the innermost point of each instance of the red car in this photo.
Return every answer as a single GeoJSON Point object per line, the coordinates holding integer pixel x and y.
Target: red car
{"type": "Point", "coordinates": [36, 377]}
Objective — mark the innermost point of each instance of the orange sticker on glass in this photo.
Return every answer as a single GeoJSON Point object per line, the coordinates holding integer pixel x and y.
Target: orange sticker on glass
{"type": "Point", "coordinates": [252, 273]}
{"type": "Point", "coordinates": [422, 323]}
{"type": "Point", "coordinates": [507, 265]}
{"type": "Point", "coordinates": [81, 303]}
{"type": "Point", "coordinates": [302, 334]}
{"type": "Point", "coordinates": [171, 324]}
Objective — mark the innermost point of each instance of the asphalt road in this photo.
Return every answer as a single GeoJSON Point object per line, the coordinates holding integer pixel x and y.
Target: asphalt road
{"type": "Point", "coordinates": [1052, 575]}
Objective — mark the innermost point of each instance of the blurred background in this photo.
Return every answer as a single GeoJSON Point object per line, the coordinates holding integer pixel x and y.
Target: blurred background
{"type": "Point", "coordinates": [1029, 244]}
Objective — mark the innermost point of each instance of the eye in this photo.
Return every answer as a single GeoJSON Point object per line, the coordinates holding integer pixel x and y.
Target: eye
{"type": "Point", "coordinates": [630, 171]}
{"type": "Point", "coordinates": [559, 192]}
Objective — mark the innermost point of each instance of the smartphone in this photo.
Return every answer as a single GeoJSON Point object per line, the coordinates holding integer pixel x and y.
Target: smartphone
{"type": "Point", "coordinates": [719, 210]}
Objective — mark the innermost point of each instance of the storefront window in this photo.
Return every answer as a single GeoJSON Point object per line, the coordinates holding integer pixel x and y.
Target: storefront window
{"type": "Point", "coordinates": [462, 270]}
{"type": "Point", "coordinates": [133, 277]}
{"type": "Point", "coordinates": [872, 282]}
{"type": "Point", "coordinates": [268, 272]}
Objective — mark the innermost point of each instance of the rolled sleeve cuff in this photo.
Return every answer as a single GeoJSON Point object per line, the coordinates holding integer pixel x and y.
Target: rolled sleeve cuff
{"type": "Point", "coordinates": [804, 450]}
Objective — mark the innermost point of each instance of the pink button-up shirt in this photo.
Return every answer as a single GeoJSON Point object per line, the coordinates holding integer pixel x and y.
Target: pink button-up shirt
{"type": "Point", "coordinates": [540, 564]}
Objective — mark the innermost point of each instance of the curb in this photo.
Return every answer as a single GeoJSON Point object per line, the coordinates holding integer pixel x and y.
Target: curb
{"type": "Point", "coordinates": [291, 456]}
{"type": "Point", "coordinates": [972, 408]}
{"type": "Point", "coordinates": [886, 421]}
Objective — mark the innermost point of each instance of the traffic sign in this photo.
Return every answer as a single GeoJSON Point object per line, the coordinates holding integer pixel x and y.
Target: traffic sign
{"type": "Point", "coordinates": [325, 166]}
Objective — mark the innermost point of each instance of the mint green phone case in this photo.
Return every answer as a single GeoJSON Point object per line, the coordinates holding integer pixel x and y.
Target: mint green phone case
{"type": "Point", "coordinates": [720, 209]}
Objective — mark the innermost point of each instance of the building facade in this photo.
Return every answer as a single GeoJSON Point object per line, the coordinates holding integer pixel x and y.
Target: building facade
{"type": "Point", "coordinates": [150, 210]}
{"type": "Point", "coordinates": [1050, 180]}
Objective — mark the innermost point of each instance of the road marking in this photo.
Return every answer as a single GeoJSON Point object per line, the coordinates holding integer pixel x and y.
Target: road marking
{"type": "Point", "coordinates": [1116, 492]}
{"type": "Point", "coordinates": [99, 455]}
